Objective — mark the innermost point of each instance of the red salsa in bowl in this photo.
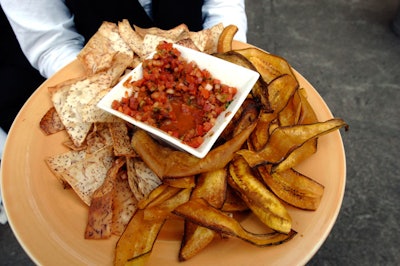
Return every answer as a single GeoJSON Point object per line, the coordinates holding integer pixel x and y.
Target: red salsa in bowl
{"type": "Point", "coordinates": [176, 96]}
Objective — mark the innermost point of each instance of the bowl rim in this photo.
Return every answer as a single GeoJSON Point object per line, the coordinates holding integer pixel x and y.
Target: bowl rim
{"type": "Point", "coordinates": [211, 63]}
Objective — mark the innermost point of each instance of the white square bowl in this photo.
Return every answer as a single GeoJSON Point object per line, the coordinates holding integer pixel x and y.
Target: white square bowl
{"type": "Point", "coordinates": [228, 73]}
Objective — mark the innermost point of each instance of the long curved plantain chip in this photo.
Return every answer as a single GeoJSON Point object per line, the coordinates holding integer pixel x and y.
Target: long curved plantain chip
{"type": "Point", "coordinates": [285, 140]}
{"type": "Point", "coordinates": [226, 38]}
{"type": "Point", "coordinates": [136, 243]}
{"type": "Point", "coordinates": [233, 203]}
{"type": "Point", "coordinates": [260, 88]}
{"type": "Point", "coordinates": [211, 186]}
{"type": "Point", "coordinates": [268, 65]}
{"type": "Point", "coordinates": [297, 156]}
{"type": "Point", "coordinates": [290, 115]}
{"type": "Point", "coordinates": [294, 188]}
{"type": "Point", "coordinates": [195, 239]}
{"type": "Point", "coordinates": [198, 211]}
{"type": "Point", "coordinates": [264, 204]}
{"type": "Point", "coordinates": [184, 182]}
{"type": "Point", "coordinates": [166, 162]}
{"type": "Point", "coordinates": [163, 210]}
{"type": "Point", "coordinates": [301, 113]}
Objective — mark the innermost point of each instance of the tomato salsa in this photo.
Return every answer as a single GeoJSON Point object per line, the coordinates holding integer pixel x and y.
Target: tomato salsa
{"type": "Point", "coordinates": [176, 96]}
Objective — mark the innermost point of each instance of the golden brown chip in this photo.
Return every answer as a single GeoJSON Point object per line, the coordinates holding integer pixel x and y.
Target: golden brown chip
{"type": "Point", "coordinates": [269, 66]}
{"type": "Point", "coordinates": [183, 182]}
{"type": "Point", "coordinates": [294, 188]}
{"type": "Point", "coordinates": [51, 122]}
{"type": "Point", "coordinates": [260, 89]}
{"type": "Point", "coordinates": [121, 139]}
{"type": "Point", "coordinates": [156, 193]}
{"type": "Point", "coordinates": [211, 186]}
{"type": "Point", "coordinates": [99, 224]}
{"type": "Point", "coordinates": [264, 204]}
{"type": "Point", "coordinates": [285, 140]}
{"type": "Point", "coordinates": [207, 40]}
{"type": "Point", "coordinates": [131, 37]}
{"type": "Point", "coordinates": [290, 115]}
{"type": "Point", "coordinates": [124, 204]}
{"type": "Point", "coordinates": [135, 244]}
{"type": "Point", "coordinates": [226, 38]}
{"type": "Point", "coordinates": [201, 213]}
{"type": "Point", "coordinates": [98, 53]}
{"type": "Point", "coordinates": [233, 203]}
{"type": "Point", "coordinates": [307, 115]}
{"type": "Point", "coordinates": [188, 43]}
{"type": "Point", "coordinates": [195, 239]}
{"type": "Point", "coordinates": [163, 210]}
{"type": "Point", "coordinates": [166, 162]}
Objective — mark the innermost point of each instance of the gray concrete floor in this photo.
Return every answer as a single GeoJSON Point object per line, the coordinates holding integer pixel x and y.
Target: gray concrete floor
{"type": "Point", "coordinates": [348, 52]}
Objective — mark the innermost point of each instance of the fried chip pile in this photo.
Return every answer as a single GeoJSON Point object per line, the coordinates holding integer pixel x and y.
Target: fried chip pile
{"type": "Point", "coordinates": [132, 183]}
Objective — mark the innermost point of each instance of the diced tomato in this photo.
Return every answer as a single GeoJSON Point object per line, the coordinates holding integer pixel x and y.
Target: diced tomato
{"type": "Point", "coordinates": [196, 142]}
{"type": "Point", "coordinates": [204, 93]}
{"type": "Point", "coordinates": [207, 126]}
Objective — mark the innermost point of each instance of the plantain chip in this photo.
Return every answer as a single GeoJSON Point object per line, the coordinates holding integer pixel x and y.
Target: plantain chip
{"type": "Point", "coordinates": [307, 115]}
{"type": "Point", "coordinates": [158, 196]}
{"type": "Point", "coordinates": [233, 203]}
{"type": "Point", "coordinates": [285, 140]}
{"type": "Point", "coordinates": [166, 162]}
{"type": "Point", "coordinates": [226, 38]}
{"type": "Point", "coordinates": [184, 182]}
{"type": "Point", "coordinates": [211, 186]}
{"type": "Point", "coordinates": [294, 188]}
{"type": "Point", "coordinates": [264, 204]}
{"type": "Point", "coordinates": [152, 196]}
{"type": "Point", "coordinates": [297, 156]}
{"type": "Point", "coordinates": [281, 91]}
{"type": "Point", "coordinates": [299, 111]}
{"type": "Point", "coordinates": [163, 210]}
{"type": "Point", "coordinates": [290, 115]}
{"type": "Point", "coordinates": [198, 211]}
{"type": "Point", "coordinates": [259, 137]}
{"type": "Point", "coordinates": [248, 116]}
{"type": "Point", "coordinates": [195, 239]}
{"type": "Point", "coordinates": [260, 88]}
{"type": "Point", "coordinates": [136, 243]}
{"type": "Point", "coordinates": [268, 65]}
